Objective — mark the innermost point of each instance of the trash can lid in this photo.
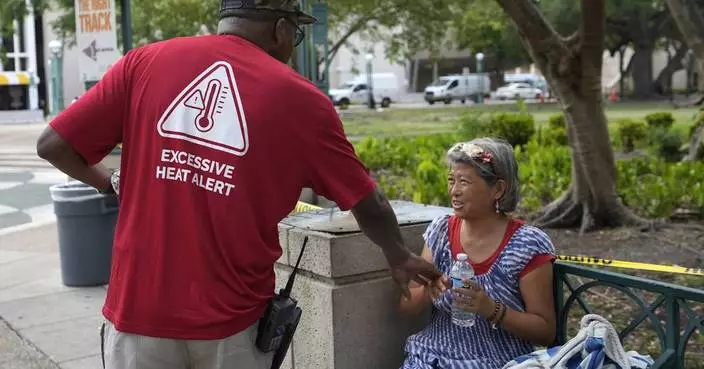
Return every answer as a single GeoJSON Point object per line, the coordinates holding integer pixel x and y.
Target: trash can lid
{"type": "Point", "coordinates": [74, 191]}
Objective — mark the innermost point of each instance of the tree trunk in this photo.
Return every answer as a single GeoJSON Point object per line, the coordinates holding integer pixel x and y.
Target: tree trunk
{"type": "Point", "coordinates": [642, 71]}
{"type": "Point", "coordinates": [572, 67]}
{"type": "Point", "coordinates": [496, 79]}
{"type": "Point", "coordinates": [690, 22]}
{"type": "Point", "coordinates": [592, 200]}
{"type": "Point", "coordinates": [695, 143]}
{"type": "Point", "coordinates": [663, 83]}
{"type": "Point", "coordinates": [621, 81]}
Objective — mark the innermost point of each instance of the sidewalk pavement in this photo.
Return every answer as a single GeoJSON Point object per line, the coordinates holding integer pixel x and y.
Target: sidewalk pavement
{"type": "Point", "coordinates": [62, 323]}
{"type": "Point", "coordinates": [16, 353]}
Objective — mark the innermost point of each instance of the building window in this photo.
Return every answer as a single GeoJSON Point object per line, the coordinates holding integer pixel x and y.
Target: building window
{"type": "Point", "coordinates": [20, 33]}
{"type": "Point", "coordinates": [16, 59]}
{"type": "Point", "coordinates": [8, 63]}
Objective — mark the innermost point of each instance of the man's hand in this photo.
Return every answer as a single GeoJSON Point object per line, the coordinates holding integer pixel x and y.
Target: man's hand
{"type": "Point", "coordinates": [376, 218]}
{"type": "Point", "coordinates": [415, 268]}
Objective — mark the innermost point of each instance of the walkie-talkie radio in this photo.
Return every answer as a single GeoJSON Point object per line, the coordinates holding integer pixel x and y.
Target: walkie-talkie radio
{"type": "Point", "coordinates": [279, 323]}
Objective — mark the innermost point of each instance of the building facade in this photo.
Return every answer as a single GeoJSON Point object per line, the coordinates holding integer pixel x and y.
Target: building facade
{"type": "Point", "coordinates": [22, 77]}
{"type": "Point", "coordinates": [72, 85]}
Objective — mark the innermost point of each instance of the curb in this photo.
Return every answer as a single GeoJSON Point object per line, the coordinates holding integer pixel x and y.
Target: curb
{"type": "Point", "coordinates": [25, 227]}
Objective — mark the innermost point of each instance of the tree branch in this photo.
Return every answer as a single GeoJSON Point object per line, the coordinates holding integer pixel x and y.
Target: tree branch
{"type": "Point", "coordinates": [535, 29]}
{"type": "Point", "coordinates": [659, 20]}
{"type": "Point", "coordinates": [663, 80]}
{"type": "Point", "coordinates": [628, 68]}
{"type": "Point", "coordinates": [620, 27]}
{"type": "Point", "coordinates": [573, 39]}
{"type": "Point", "coordinates": [350, 31]}
{"type": "Point", "coordinates": [331, 56]}
{"type": "Point", "coordinates": [615, 45]}
{"type": "Point", "coordinates": [691, 25]}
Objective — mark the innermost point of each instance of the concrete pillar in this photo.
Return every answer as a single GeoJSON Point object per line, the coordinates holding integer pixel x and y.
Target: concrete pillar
{"type": "Point", "coordinates": [435, 71]}
{"type": "Point", "coordinates": [350, 303]}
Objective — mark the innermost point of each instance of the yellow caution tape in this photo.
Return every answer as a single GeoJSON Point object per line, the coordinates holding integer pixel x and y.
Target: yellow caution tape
{"type": "Point", "coordinates": [302, 207]}
{"type": "Point", "coordinates": [630, 265]}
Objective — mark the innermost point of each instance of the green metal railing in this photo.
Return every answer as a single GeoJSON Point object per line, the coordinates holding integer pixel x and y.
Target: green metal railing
{"type": "Point", "coordinates": [675, 300]}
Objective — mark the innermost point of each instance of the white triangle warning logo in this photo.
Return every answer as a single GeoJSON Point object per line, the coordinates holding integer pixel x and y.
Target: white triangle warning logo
{"type": "Point", "coordinates": [208, 112]}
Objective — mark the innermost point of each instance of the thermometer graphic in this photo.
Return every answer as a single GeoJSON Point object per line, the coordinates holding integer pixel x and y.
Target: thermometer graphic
{"type": "Point", "coordinates": [204, 120]}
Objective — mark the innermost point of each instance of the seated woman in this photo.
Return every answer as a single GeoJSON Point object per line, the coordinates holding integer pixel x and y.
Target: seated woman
{"type": "Point", "coordinates": [511, 292]}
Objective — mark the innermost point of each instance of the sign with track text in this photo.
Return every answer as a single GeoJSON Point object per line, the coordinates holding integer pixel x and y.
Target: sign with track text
{"type": "Point", "coordinates": [96, 37]}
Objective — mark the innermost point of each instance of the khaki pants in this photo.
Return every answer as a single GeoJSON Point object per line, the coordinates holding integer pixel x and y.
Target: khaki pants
{"type": "Point", "coordinates": [131, 351]}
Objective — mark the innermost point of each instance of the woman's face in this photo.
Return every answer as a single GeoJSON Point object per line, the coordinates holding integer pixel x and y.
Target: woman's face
{"type": "Point", "coordinates": [470, 195]}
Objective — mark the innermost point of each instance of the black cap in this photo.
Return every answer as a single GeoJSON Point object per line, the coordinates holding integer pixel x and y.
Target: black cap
{"type": "Point", "coordinates": [229, 8]}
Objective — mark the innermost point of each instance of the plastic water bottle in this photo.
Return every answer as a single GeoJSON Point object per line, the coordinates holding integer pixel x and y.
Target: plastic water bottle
{"type": "Point", "coordinates": [461, 270]}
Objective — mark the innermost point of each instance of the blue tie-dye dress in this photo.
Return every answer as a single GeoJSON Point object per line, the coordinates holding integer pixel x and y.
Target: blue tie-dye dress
{"type": "Point", "coordinates": [443, 345]}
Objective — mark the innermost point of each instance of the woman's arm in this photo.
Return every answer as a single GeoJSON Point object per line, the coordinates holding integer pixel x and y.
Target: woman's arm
{"type": "Point", "coordinates": [537, 323]}
{"type": "Point", "coordinates": [422, 296]}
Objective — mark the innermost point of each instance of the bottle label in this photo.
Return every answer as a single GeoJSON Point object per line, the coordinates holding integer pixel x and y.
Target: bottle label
{"type": "Point", "coordinates": [457, 283]}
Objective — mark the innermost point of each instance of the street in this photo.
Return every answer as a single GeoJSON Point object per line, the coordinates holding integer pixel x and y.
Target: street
{"type": "Point", "coordinates": [415, 101]}
{"type": "Point", "coordinates": [25, 179]}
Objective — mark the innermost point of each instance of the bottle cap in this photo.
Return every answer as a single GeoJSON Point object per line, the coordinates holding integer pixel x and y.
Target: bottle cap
{"type": "Point", "coordinates": [462, 257]}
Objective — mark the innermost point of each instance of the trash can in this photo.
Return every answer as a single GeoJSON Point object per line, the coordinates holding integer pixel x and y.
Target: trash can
{"type": "Point", "coordinates": [86, 226]}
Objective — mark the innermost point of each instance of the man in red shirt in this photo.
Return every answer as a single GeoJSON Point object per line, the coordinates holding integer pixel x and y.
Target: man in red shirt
{"type": "Point", "coordinates": [219, 137]}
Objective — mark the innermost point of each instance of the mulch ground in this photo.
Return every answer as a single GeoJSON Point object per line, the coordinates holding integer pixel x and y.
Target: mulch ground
{"type": "Point", "coordinates": [676, 244]}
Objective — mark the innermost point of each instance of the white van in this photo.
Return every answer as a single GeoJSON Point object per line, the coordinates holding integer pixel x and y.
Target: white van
{"type": "Point", "coordinates": [384, 85]}
{"type": "Point", "coordinates": [456, 87]}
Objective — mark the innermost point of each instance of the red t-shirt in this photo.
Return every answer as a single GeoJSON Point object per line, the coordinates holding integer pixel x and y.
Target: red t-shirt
{"type": "Point", "coordinates": [218, 140]}
{"type": "Point", "coordinates": [481, 267]}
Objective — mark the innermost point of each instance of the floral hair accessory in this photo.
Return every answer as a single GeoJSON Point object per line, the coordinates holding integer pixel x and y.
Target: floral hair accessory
{"type": "Point", "coordinates": [474, 151]}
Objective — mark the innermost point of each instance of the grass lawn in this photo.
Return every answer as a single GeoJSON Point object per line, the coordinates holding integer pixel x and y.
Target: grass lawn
{"type": "Point", "coordinates": [392, 122]}
{"type": "Point", "coordinates": [421, 121]}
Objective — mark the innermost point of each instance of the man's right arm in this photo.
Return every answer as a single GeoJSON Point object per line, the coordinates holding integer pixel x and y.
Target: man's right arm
{"type": "Point", "coordinates": [336, 173]}
{"type": "Point", "coordinates": [377, 220]}
{"type": "Point", "coordinates": [78, 138]}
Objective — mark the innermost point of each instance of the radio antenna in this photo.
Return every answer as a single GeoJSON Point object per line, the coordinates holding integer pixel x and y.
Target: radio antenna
{"type": "Point", "coordinates": [286, 292]}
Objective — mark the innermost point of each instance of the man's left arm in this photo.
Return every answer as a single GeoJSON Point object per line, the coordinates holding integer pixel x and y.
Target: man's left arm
{"type": "Point", "coordinates": [78, 138]}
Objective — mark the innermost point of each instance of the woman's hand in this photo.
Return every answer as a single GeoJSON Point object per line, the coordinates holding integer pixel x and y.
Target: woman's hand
{"type": "Point", "coordinates": [434, 289]}
{"type": "Point", "coordinates": [473, 299]}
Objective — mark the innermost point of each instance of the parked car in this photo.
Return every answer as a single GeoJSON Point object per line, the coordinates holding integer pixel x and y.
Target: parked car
{"type": "Point", "coordinates": [517, 91]}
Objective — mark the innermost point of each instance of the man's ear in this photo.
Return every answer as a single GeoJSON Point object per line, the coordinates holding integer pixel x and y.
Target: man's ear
{"type": "Point", "coordinates": [281, 32]}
